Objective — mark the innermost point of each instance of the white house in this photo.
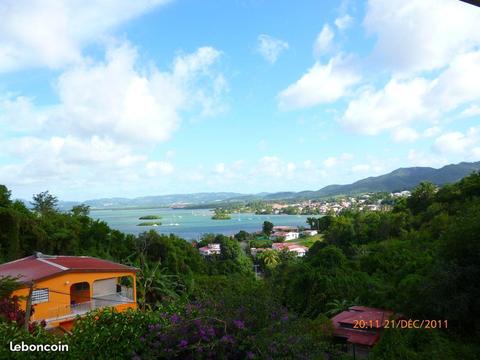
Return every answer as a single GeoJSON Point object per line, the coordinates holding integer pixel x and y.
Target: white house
{"type": "Point", "coordinates": [210, 249]}
{"type": "Point", "coordinates": [309, 232]}
{"type": "Point", "coordinates": [286, 236]}
{"type": "Point", "coordinates": [292, 247]}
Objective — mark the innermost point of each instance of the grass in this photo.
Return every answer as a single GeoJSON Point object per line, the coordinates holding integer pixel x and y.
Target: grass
{"type": "Point", "coordinates": [309, 240]}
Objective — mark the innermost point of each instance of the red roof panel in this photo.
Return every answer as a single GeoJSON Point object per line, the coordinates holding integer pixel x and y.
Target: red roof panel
{"type": "Point", "coordinates": [343, 324]}
{"type": "Point", "coordinates": [40, 266]}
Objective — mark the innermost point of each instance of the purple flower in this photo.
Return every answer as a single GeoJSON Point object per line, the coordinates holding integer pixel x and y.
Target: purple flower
{"type": "Point", "coordinates": [142, 339]}
{"type": "Point", "coordinates": [285, 318]}
{"type": "Point", "coordinates": [250, 355]}
{"type": "Point", "coordinates": [239, 324]}
{"type": "Point", "coordinates": [228, 339]}
{"type": "Point", "coordinates": [211, 331]}
{"type": "Point", "coordinates": [174, 318]}
{"type": "Point", "coordinates": [183, 343]}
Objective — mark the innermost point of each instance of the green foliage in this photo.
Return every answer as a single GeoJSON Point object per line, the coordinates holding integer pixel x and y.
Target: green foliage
{"type": "Point", "coordinates": [80, 210]}
{"type": "Point", "coordinates": [267, 228]}
{"type": "Point", "coordinates": [150, 217]}
{"type": "Point", "coordinates": [44, 203]}
{"type": "Point", "coordinates": [221, 214]}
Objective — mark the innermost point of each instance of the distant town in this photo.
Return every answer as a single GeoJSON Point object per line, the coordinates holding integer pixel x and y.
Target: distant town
{"type": "Point", "coordinates": [364, 202]}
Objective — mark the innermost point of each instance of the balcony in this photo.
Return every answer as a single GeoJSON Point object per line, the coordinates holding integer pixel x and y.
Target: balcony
{"type": "Point", "coordinates": [67, 312]}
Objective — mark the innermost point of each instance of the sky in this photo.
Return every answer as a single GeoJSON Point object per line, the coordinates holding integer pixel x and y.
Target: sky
{"type": "Point", "coordinates": [133, 98]}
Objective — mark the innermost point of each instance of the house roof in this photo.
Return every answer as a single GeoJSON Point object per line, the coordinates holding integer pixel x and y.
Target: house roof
{"type": "Point", "coordinates": [40, 266]}
{"type": "Point", "coordinates": [344, 322]}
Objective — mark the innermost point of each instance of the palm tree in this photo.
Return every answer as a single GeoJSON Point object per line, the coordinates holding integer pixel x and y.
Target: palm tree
{"type": "Point", "coordinates": [153, 283]}
{"type": "Point", "coordinates": [270, 258]}
{"type": "Point", "coordinates": [337, 306]}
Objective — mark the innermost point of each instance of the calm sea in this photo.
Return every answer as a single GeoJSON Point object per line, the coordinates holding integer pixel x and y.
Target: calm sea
{"type": "Point", "coordinates": [190, 224]}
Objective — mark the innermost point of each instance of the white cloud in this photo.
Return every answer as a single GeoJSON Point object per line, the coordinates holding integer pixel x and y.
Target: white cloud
{"type": "Point", "coordinates": [220, 168]}
{"type": "Point", "coordinates": [271, 48]}
{"type": "Point", "coordinates": [291, 167]}
{"type": "Point", "coordinates": [321, 84]}
{"type": "Point", "coordinates": [333, 160]}
{"type": "Point", "coordinates": [109, 117]}
{"type": "Point", "coordinates": [395, 106]}
{"type": "Point", "coordinates": [472, 110]}
{"type": "Point", "coordinates": [330, 161]}
{"type": "Point", "coordinates": [432, 131]}
{"type": "Point", "coordinates": [118, 99]}
{"type": "Point", "coordinates": [458, 84]}
{"type": "Point", "coordinates": [343, 22]}
{"type": "Point", "coordinates": [466, 145]}
{"type": "Point", "coordinates": [419, 35]}
{"type": "Point", "coordinates": [308, 164]}
{"type": "Point", "coordinates": [52, 33]}
{"type": "Point", "coordinates": [405, 134]}
{"type": "Point", "coordinates": [323, 41]}
{"type": "Point", "coordinates": [420, 158]}
{"type": "Point", "coordinates": [155, 168]}
{"type": "Point", "coordinates": [361, 168]}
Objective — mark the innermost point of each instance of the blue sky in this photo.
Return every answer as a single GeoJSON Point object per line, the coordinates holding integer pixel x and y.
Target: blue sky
{"type": "Point", "coordinates": [101, 99]}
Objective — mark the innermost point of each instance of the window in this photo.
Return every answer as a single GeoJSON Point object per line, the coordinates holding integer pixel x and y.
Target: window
{"type": "Point", "coordinates": [39, 296]}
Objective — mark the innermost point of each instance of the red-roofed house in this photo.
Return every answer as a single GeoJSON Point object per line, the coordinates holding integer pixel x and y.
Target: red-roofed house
{"type": "Point", "coordinates": [360, 327]}
{"type": "Point", "coordinates": [67, 286]}
{"type": "Point", "coordinates": [292, 247]}
{"type": "Point", "coordinates": [210, 249]}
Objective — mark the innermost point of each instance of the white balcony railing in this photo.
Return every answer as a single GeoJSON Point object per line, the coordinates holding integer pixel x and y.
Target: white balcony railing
{"type": "Point", "coordinates": [68, 311]}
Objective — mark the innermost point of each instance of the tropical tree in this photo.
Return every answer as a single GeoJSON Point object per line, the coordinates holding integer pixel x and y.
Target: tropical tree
{"type": "Point", "coordinates": [270, 258]}
{"type": "Point", "coordinates": [80, 210]}
{"type": "Point", "coordinates": [267, 228]}
{"type": "Point", "coordinates": [337, 306]}
{"type": "Point", "coordinates": [44, 203]}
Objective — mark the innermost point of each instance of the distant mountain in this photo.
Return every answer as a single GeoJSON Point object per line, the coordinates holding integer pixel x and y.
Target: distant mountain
{"type": "Point", "coordinates": [155, 201]}
{"type": "Point", "coordinates": [398, 180]}
{"type": "Point", "coordinates": [402, 179]}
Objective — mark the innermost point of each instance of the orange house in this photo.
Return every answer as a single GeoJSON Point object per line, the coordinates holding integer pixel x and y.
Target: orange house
{"type": "Point", "coordinates": [65, 287]}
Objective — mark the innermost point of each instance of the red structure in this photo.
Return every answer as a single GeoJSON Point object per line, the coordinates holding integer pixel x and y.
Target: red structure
{"type": "Point", "coordinates": [360, 327]}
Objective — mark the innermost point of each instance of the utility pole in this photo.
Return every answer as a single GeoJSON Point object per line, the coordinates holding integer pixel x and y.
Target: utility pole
{"type": "Point", "coordinates": [28, 310]}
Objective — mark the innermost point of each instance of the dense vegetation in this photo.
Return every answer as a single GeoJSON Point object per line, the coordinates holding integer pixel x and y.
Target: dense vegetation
{"type": "Point", "coordinates": [221, 214]}
{"type": "Point", "coordinates": [420, 259]}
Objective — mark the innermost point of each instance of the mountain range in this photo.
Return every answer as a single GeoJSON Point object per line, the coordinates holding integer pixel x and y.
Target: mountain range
{"type": "Point", "coordinates": [397, 180]}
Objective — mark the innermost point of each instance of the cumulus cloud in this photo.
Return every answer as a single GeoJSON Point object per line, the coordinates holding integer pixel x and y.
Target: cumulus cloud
{"type": "Point", "coordinates": [394, 106]}
{"type": "Point", "coordinates": [323, 41]}
{"type": "Point", "coordinates": [321, 84]}
{"type": "Point", "coordinates": [271, 48]}
{"type": "Point", "coordinates": [403, 103]}
{"type": "Point", "coordinates": [52, 33]}
{"type": "Point", "coordinates": [458, 84]}
{"type": "Point", "coordinates": [405, 134]}
{"type": "Point", "coordinates": [466, 145]}
{"type": "Point", "coordinates": [472, 110]}
{"type": "Point", "coordinates": [336, 160]}
{"type": "Point", "coordinates": [343, 22]}
{"type": "Point", "coordinates": [421, 35]}
{"type": "Point", "coordinates": [108, 113]}
{"type": "Point", "coordinates": [156, 168]}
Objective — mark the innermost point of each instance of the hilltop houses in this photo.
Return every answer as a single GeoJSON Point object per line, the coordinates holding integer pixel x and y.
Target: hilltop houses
{"type": "Point", "coordinates": [64, 287]}
{"type": "Point", "coordinates": [284, 233]}
{"type": "Point", "coordinates": [291, 247]}
{"type": "Point", "coordinates": [210, 249]}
